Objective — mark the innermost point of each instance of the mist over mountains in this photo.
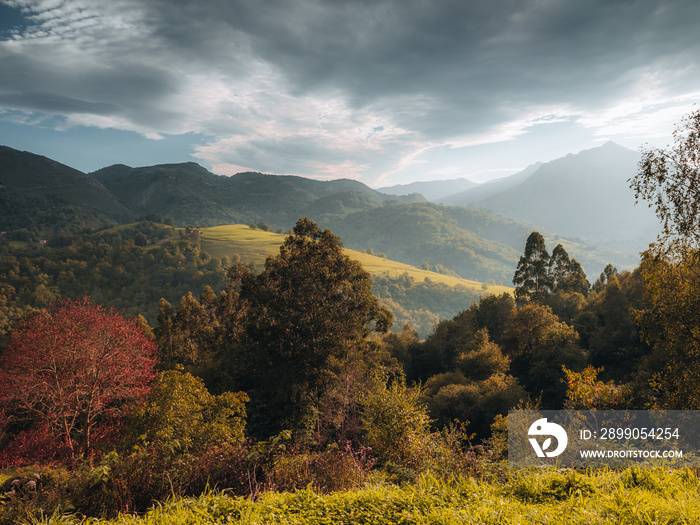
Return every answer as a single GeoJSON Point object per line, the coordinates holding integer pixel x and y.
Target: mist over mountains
{"type": "Point", "coordinates": [434, 190]}
{"type": "Point", "coordinates": [475, 230]}
{"type": "Point", "coordinates": [584, 195]}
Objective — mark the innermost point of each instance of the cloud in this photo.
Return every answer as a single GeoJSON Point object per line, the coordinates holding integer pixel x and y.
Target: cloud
{"type": "Point", "coordinates": [362, 87]}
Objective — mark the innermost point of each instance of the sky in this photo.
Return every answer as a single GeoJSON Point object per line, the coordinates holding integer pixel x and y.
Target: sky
{"type": "Point", "coordinates": [381, 91]}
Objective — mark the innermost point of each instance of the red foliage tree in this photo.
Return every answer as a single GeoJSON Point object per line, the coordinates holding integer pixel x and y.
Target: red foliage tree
{"type": "Point", "coordinates": [73, 368]}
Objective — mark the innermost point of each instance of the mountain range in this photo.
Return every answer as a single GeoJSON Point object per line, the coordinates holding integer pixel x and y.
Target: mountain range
{"type": "Point", "coordinates": [584, 195]}
{"type": "Point", "coordinates": [478, 232]}
{"type": "Point", "coordinates": [434, 190]}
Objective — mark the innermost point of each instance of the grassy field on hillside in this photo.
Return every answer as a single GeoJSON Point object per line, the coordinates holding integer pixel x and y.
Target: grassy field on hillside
{"type": "Point", "coordinates": [255, 245]}
{"type": "Point", "coordinates": [252, 246]}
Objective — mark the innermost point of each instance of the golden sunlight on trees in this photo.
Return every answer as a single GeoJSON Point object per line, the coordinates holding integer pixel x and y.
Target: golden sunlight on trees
{"type": "Point", "coordinates": [181, 414]}
{"type": "Point", "coordinates": [586, 392]}
{"type": "Point", "coordinates": [308, 312]}
{"type": "Point", "coordinates": [669, 180]}
{"type": "Point", "coordinates": [396, 423]}
{"type": "Point", "coordinates": [670, 323]}
{"type": "Point", "coordinates": [670, 317]}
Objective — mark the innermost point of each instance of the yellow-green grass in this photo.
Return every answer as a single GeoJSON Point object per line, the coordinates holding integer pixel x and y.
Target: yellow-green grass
{"type": "Point", "coordinates": [629, 497]}
{"type": "Point", "coordinates": [253, 246]}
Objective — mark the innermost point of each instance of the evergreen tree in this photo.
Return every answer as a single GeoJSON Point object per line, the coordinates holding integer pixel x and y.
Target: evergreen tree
{"type": "Point", "coordinates": [308, 311]}
{"type": "Point", "coordinates": [606, 275]}
{"type": "Point", "coordinates": [532, 278]}
{"type": "Point", "coordinates": [566, 274]}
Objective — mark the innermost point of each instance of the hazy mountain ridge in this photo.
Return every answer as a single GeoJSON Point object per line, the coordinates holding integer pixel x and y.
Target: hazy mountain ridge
{"type": "Point", "coordinates": [487, 189]}
{"type": "Point", "coordinates": [434, 190]}
{"type": "Point", "coordinates": [584, 195]}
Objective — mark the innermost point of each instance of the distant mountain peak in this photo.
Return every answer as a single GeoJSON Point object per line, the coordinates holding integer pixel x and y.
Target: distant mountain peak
{"type": "Point", "coordinates": [433, 190]}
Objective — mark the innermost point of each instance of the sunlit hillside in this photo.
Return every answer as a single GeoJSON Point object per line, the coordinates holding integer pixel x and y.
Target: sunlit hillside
{"type": "Point", "coordinates": [253, 246]}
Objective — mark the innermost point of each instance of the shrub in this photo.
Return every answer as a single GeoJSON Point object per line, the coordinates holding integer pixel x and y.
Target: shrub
{"type": "Point", "coordinates": [181, 415]}
{"type": "Point", "coordinates": [396, 424]}
{"type": "Point", "coordinates": [327, 471]}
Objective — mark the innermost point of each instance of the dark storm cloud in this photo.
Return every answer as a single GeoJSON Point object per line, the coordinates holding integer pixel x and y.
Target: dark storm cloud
{"type": "Point", "coordinates": [56, 103]}
{"type": "Point", "coordinates": [279, 81]}
{"type": "Point", "coordinates": [471, 62]}
{"type": "Point", "coordinates": [465, 51]}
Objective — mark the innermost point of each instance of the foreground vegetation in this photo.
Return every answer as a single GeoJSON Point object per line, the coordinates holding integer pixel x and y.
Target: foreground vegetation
{"type": "Point", "coordinates": [633, 496]}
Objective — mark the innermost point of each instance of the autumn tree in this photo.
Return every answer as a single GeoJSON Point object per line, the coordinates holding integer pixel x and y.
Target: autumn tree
{"type": "Point", "coordinates": [586, 392]}
{"type": "Point", "coordinates": [72, 368]}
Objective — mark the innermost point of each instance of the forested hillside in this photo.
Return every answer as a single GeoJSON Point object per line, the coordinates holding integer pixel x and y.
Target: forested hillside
{"type": "Point", "coordinates": [44, 198]}
{"type": "Point", "coordinates": [192, 195]}
{"type": "Point", "coordinates": [39, 193]}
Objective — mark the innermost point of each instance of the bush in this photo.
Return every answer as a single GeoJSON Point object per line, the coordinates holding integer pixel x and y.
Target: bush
{"type": "Point", "coordinates": [396, 424]}
{"type": "Point", "coordinates": [325, 472]}
{"type": "Point", "coordinates": [52, 493]}
{"type": "Point", "coordinates": [32, 446]}
{"type": "Point", "coordinates": [181, 415]}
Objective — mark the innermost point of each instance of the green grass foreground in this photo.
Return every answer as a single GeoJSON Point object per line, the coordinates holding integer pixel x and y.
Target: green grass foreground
{"type": "Point", "coordinates": [632, 496]}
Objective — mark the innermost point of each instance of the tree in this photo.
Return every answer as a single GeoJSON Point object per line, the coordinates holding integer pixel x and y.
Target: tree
{"type": "Point", "coordinates": [605, 277]}
{"type": "Point", "coordinates": [532, 280]}
{"type": "Point", "coordinates": [74, 367]}
{"type": "Point", "coordinates": [483, 359]}
{"type": "Point", "coordinates": [182, 415]}
{"type": "Point", "coordinates": [185, 337]}
{"type": "Point", "coordinates": [306, 312]}
{"type": "Point", "coordinates": [493, 313]}
{"type": "Point", "coordinates": [669, 179]}
{"type": "Point", "coordinates": [670, 323]}
{"type": "Point", "coordinates": [476, 402]}
{"type": "Point", "coordinates": [538, 345]}
{"type": "Point", "coordinates": [396, 423]}
{"type": "Point", "coordinates": [586, 392]}
{"type": "Point", "coordinates": [566, 275]}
